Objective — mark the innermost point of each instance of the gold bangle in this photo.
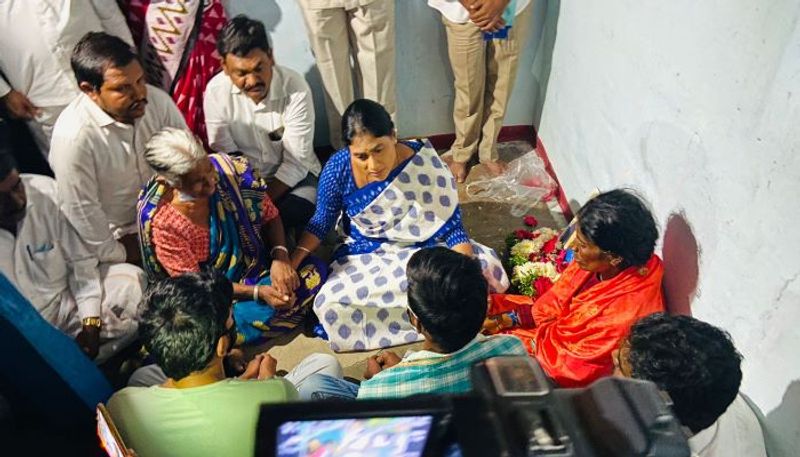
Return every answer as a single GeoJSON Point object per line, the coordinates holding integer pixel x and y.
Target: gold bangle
{"type": "Point", "coordinates": [278, 248]}
{"type": "Point", "coordinates": [304, 249]}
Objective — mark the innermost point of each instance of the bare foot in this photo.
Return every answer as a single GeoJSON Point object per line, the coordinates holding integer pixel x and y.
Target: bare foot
{"type": "Point", "coordinates": [459, 170]}
{"type": "Point", "coordinates": [496, 168]}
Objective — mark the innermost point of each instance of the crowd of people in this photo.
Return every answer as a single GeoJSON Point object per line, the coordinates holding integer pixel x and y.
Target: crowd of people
{"type": "Point", "coordinates": [191, 229]}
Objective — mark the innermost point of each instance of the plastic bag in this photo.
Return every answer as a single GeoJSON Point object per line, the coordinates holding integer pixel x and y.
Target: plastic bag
{"type": "Point", "coordinates": [524, 184]}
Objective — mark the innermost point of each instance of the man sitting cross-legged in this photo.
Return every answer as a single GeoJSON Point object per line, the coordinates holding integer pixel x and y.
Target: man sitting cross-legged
{"type": "Point", "coordinates": [447, 301]}
{"type": "Point", "coordinates": [47, 261]}
{"type": "Point", "coordinates": [188, 329]}
{"type": "Point", "coordinates": [698, 366]}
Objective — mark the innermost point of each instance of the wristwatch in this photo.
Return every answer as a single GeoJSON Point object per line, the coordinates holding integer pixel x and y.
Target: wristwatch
{"type": "Point", "coordinates": [92, 322]}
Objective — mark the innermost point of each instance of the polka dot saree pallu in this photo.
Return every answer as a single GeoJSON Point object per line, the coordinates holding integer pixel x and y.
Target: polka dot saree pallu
{"type": "Point", "coordinates": [362, 306]}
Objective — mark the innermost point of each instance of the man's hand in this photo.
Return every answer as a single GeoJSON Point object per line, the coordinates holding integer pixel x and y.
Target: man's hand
{"type": "Point", "coordinates": [373, 367]}
{"type": "Point", "coordinates": [18, 106]}
{"type": "Point", "coordinates": [487, 14]}
{"type": "Point", "coordinates": [89, 340]}
{"type": "Point", "coordinates": [263, 366]}
{"type": "Point", "coordinates": [276, 189]}
{"type": "Point", "coordinates": [133, 254]}
{"type": "Point", "coordinates": [380, 362]}
{"type": "Point", "coordinates": [283, 276]}
{"type": "Point", "coordinates": [275, 298]}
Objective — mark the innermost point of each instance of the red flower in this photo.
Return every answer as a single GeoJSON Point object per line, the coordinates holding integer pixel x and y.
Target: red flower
{"type": "Point", "coordinates": [534, 257]}
{"type": "Point", "coordinates": [541, 285]}
{"type": "Point", "coordinates": [530, 221]}
{"type": "Point", "coordinates": [561, 261]}
{"type": "Point", "coordinates": [550, 246]}
{"type": "Point", "coordinates": [523, 235]}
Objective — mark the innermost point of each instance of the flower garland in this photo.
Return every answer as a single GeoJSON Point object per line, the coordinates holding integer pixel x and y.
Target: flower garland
{"type": "Point", "coordinates": [536, 257]}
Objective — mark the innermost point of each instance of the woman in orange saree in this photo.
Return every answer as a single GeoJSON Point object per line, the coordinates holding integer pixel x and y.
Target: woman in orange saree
{"type": "Point", "coordinates": [614, 281]}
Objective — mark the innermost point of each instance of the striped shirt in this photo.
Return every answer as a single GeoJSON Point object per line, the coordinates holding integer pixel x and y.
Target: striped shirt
{"type": "Point", "coordinates": [426, 372]}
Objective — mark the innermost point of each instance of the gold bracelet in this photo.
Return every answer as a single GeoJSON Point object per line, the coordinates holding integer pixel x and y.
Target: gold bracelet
{"type": "Point", "coordinates": [301, 248]}
{"type": "Point", "coordinates": [92, 322]}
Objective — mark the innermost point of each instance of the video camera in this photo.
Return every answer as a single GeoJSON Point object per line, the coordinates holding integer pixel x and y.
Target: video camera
{"type": "Point", "coordinates": [512, 411]}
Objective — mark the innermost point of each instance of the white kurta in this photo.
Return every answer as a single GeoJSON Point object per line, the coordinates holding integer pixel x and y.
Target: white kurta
{"type": "Point", "coordinates": [36, 40]}
{"type": "Point", "coordinates": [235, 123]}
{"type": "Point", "coordinates": [736, 433]}
{"type": "Point", "coordinates": [100, 167]}
{"type": "Point", "coordinates": [51, 266]}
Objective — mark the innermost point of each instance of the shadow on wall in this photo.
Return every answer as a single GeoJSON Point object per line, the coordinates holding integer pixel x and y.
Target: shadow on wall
{"type": "Point", "coordinates": [681, 256]}
{"type": "Point", "coordinates": [543, 62]}
{"type": "Point", "coordinates": [782, 431]}
{"type": "Point", "coordinates": [268, 12]}
{"type": "Point", "coordinates": [321, 128]}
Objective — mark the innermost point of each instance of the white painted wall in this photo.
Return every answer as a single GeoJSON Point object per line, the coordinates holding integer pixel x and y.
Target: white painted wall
{"type": "Point", "coordinates": [424, 79]}
{"type": "Point", "coordinates": [697, 105]}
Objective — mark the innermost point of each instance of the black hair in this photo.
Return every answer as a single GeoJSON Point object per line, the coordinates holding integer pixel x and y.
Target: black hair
{"type": "Point", "coordinates": [447, 292]}
{"type": "Point", "coordinates": [366, 116]}
{"type": "Point", "coordinates": [694, 362]}
{"type": "Point", "coordinates": [184, 319]}
{"type": "Point", "coordinates": [241, 35]}
{"type": "Point", "coordinates": [619, 222]}
{"type": "Point", "coordinates": [95, 53]}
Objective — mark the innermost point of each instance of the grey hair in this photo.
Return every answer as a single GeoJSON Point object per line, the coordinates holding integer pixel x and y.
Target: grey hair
{"type": "Point", "coordinates": [173, 153]}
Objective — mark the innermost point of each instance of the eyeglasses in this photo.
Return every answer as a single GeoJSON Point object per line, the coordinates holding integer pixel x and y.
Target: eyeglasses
{"type": "Point", "coordinates": [411, 315]}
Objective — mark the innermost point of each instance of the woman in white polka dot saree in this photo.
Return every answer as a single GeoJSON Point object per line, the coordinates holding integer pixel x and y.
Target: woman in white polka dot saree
{"type": "Point", "coordinates": [394, 198]}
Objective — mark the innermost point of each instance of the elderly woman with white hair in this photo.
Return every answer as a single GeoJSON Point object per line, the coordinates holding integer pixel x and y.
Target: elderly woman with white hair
{"type": "Point", "coordinates": [212, 211]}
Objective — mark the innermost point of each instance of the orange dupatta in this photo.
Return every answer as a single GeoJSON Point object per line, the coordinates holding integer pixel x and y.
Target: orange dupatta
{"type": "Point", "coordinates": [576, 331]}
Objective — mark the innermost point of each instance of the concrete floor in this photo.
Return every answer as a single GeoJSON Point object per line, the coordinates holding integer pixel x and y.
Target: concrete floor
{"type": "Point", "coordinates": [487, 222]}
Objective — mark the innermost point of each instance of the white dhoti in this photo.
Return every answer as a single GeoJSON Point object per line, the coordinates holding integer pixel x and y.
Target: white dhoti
{"type": "Point", "coordinates": [120, 308]}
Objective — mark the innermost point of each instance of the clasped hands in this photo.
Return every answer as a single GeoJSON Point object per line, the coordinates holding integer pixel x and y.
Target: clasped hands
{"type": "Point", "coordinates": [380, 362]}
{"type": "Point", "coordinates": [284, 282]}
{"type": "Point", "coordinates": [263, 366]}
{"type": "Point", "coordinates": [486, 14]}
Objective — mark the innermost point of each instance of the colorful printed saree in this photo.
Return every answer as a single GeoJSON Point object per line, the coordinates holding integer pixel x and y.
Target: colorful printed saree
{"type": "Point", "coordinates": [236, 248]}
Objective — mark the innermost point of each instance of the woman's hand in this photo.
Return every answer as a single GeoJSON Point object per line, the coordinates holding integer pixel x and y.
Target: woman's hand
{"type": "Point", "coordinates": [496, 324]}
{"type": "Point", "coordinates": [275, 298]}
{"type": "Point", "coordinates": [284, 277]}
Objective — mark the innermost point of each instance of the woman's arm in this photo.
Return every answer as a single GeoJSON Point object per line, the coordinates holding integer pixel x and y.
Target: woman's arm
{"type": "Point", "coordinates": [330, 192]}
{"type": "Point", "coordinates": [464, 248]}
{"type": "Point", "coordinates": [308, 243]}
{"type": "Point", "coordinates": [262, 293]}
{"type": "Point", "coordinates": [456, 236]}
{"type": "Point", "coordinates": [283, 276]}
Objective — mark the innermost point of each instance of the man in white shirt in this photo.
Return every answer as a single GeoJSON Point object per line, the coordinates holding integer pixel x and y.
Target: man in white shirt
{"type": "Point", "coordinates": [363, 30]}
{"type": "Point", "coordinates": [698, 366]}
{"type": "Point", "coordinates": [98, 144]}
{"type": "Point", "coordinates": [484, 72]}
{"type": "Point", "coordinates": [265, 112]}
{"type": "Point", "coordinates": [36, 42]}
{"type": "Point", "coordinates": [43, 256]}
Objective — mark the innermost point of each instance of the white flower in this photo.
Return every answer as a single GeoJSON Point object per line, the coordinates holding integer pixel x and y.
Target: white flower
{"type": "Point", "coordinates": [525, 248]}
{"type": "Point", "coordinates": [530, 270]}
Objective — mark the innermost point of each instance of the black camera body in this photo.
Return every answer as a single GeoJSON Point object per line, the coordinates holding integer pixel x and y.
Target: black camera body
{"type": "Point", "coordinates": [613, 417]}
{"type": "Point", "coordinates": [513, 411]}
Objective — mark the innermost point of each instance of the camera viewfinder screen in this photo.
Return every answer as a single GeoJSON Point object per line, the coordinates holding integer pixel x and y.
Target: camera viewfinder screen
{"type": "Point", "coordinates": [378, 436]}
